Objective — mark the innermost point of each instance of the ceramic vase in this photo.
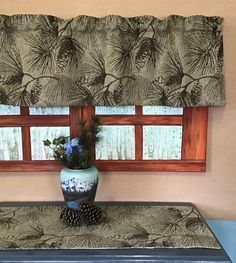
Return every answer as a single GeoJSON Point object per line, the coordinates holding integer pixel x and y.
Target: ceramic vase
{"type": "Point", "coordinates": [78, 185]}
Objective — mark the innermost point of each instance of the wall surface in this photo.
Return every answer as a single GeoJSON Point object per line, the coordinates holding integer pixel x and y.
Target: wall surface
{"type": "Point", "coordinates": [214, 192]}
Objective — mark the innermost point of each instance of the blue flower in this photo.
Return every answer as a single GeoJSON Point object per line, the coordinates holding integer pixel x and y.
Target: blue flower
{"type": "Point", "coordinates": [73, 147]}
{"type": "Point", "coordinates": [75, 141]}
{"type": "Point", "coordinates": [68, 148]}
{"type": "Point", "coordinates": [77, 148]}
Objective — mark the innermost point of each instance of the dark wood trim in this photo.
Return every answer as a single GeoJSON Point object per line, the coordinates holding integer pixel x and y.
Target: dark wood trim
{"type": "Point", "coordinates": [30, 166]}
{"type": "Point", "coordinates": [141, 120]}
{"type": "Point", "coordinates": [138, 111]}
{"type": "Point", "coordinates": [138, 135]}
{"type": "Point", "coordinates": [26, 143]}
{"type": "Point", "coordinates": [148, 166]}
{"type": "Point", "coordinates": [34, 120]}
{"type": "Point", "coordinates": [194, 121]}
{"type": "Point", "coordinates": [24, 111]}
{"type": "Point", "coordinates": [138, 142]}
{"type": "Point", "coordinates": [137, 166]}
{"type": "Point", "coordinates": [87, 113]}
{"type": "Point", "coordinates": [75, 116]}
{"type": "Point", "coordinates": [25, 136]}
{"type": "Point", "coordinates": [194, 133]}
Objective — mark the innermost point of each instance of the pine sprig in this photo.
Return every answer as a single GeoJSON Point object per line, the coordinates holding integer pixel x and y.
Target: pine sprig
{"type": "Point", "coordinates": [89, 136]}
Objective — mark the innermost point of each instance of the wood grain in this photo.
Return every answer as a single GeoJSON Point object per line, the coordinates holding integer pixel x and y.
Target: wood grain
{"type": "Point", "coordinates": [34, 120]}
{"type": "Point", "coordinates": [194, 133]}
{"type": "Point", "coordinates": [75, 116]}
{"type": "Point", "coordinates": [142, 120]}
{"type": "Point", "coordinates": [194, 121]}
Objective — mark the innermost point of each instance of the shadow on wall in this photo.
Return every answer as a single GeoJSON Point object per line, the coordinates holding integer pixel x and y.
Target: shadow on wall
{"type": "Point", "coordinates": [225, 231]}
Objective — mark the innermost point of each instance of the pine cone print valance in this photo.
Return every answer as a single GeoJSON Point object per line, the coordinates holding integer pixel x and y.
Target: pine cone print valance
{"type": "Point", "coordinates": [112, 61]}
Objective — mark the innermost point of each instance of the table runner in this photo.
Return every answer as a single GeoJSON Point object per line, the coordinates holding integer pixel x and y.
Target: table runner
{"type": "Point", "coordinates": [122, 226]}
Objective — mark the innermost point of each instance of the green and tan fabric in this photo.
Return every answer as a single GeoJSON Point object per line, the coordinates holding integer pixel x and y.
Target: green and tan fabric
{"type": "Point", "coordinates": [48, 61]}
{"type": "Point", "coordinates": [121, 226]}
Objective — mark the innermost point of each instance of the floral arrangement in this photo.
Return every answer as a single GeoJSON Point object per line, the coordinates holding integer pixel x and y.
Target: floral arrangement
{"type": "Point", "coordinates": [76, 153]}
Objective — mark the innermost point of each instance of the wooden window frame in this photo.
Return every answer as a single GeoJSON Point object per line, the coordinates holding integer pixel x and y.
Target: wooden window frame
{"type": "Point", "coordinates": [194, 141]}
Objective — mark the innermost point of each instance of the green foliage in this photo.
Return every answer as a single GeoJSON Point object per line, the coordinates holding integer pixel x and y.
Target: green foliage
{"type": "Point", "coordinates": [77, 152]}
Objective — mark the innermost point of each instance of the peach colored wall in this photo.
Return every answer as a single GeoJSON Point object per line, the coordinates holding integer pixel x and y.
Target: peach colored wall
{"type": "Point", "coordinates": [214, 192]}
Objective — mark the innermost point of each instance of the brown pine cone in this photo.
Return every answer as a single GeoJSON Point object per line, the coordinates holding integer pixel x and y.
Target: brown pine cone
{"type": "Point", "coordinates": [90, 213]}
{"type": "Point", "coordinates": [71, 217]}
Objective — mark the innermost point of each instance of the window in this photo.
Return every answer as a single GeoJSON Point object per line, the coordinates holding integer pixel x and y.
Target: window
{"type": "Point", "coordinates": [135, 138]}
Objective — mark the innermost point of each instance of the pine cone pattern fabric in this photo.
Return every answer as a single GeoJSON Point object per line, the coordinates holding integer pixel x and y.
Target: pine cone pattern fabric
{"type": "Point", "coordinates": [120, 226]}
{"type": "Point", "coordinates": [111, 61]}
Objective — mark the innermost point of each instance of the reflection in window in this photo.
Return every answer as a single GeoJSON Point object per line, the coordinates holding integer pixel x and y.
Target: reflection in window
{"type": "Point", "coordinates": [162, 142]}
{"type": "Point", "coordinates": [124, 110]}
{"type": "Point", "coordinates": [118, 143]}
{"type": "Point", "coordinates": [49, 111]}
{"type": "Point", "coordinates": [161, 110]}
{"type": "Point", "coordinates": [38, 134]}
{"type": "Point", "coordinates": [9, 110]}
{"type": "Point", "coordinates": [10, 143]}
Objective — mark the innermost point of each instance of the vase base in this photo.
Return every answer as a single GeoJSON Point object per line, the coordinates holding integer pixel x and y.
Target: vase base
{"type": "Point", "coordinates": [73, 204]}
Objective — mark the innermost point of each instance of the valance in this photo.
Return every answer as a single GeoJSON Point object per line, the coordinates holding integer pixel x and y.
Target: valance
{"type": "Point", "coordinates": [112, 61]}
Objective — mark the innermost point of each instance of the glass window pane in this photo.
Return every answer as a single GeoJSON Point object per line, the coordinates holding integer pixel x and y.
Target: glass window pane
{"type": "Point", "coordinates": [162, 110]}
{"type": "Point", "coordinates": [10, 143]}
{"type": "Point", "coordinates": [162, 142]}
{"type": "Point", "coordinates": [118, 143]}
{"type": "Point", "coordinates": [49, 111]}
{"type": "Point", "coordinates": [9, 110]}
{"type": "Point", "coordinates": [38, 134]}
{"type": "Point", "coordinates": [106, 110]}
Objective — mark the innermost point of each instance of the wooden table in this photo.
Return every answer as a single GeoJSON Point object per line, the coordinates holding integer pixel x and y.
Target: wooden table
{"type": "Point", "coordinates": [186, 215]}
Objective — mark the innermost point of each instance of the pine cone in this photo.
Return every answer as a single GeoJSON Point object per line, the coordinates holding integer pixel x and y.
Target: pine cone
{"type": "Point", "coordinates": [142, 57]}
{"type": "Point", "coordinates": [63, 61]}
{"type": "Point", "coordinates": [118, 93]}
{"type": "Point", "coordinates": [71, 217]}
{"type": "Point", "coordinates": [35, 92]}
{"type": "Point", "coordinates": [94, 215]}
{"type": "Point", "coordinates": [84, 206]}
{"type": "Point", "coordinates": [90, 213]}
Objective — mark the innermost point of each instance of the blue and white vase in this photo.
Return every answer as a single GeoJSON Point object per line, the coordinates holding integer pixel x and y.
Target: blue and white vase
{"type": "Point", "coordinates": [78, 185]}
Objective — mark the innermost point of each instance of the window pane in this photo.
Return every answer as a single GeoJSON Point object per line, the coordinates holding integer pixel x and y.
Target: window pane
{"type": "Point", "coordinates": [10, 143]}
{"type": "Point", "coordinates": [49, 111]}
{"type": "Point", "coordinates": [162, 110]}
{"type": "Point", "coordinates": [118, 143]}
{"type": "Point", "coordinates": [9, 110]}
{"type": "Point", "coordinates": [105, 110]}
{"type": "Point", "coordinates": [162, 142]}
{"type": "Point", "coordinates": [38, 134]}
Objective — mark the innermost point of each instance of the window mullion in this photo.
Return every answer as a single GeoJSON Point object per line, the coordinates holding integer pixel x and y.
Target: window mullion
{"type": "Point", "coordinates": [87, 113]}
{"type": "Point", "coordinates": [138, 142]}
{"type": "Point", "coordinates": [138, 135]}
{"type": "Point", "coordinates": [75, 115]}
{"type": "Point", "coordinates": [194, 133]}
{"type": "Point", "coordinates": [25, 133]}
